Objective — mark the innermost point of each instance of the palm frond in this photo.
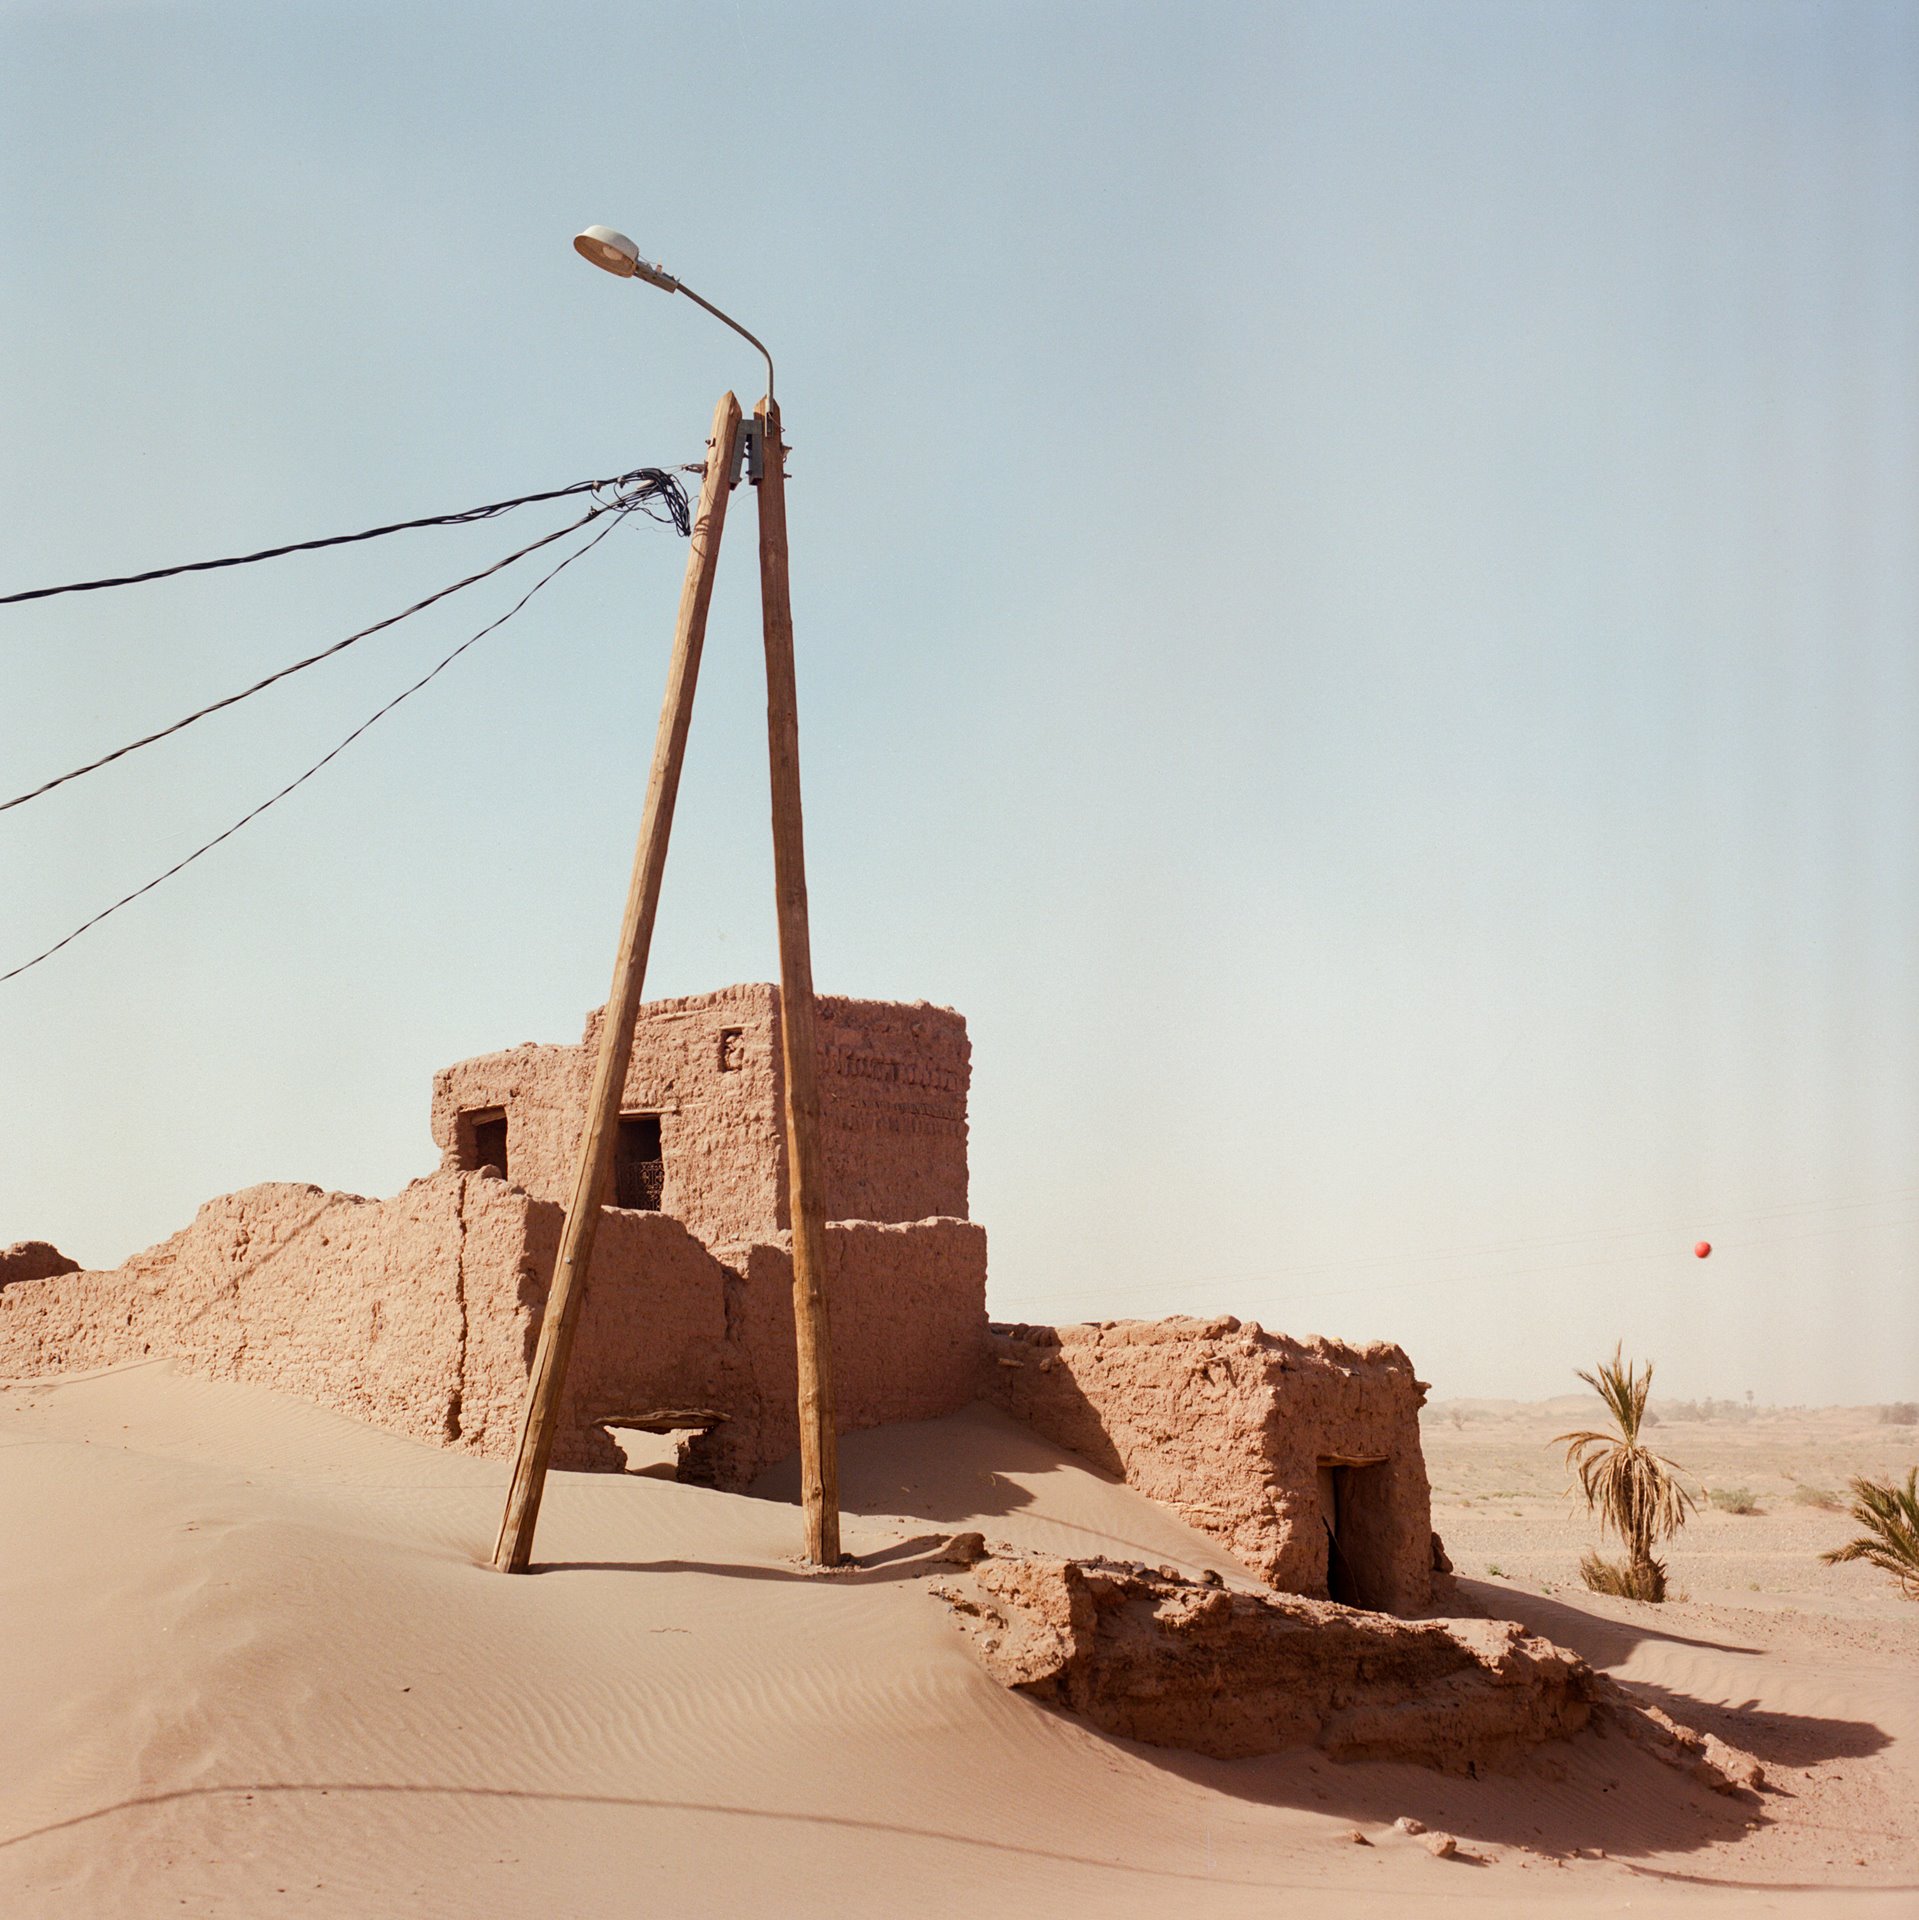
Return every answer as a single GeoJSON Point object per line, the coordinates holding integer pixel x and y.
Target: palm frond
{"type": "Point", "coordinates": [1636, 1493]}
{"type": "Point", "coordinates": [1624, 1389]}
{"type": "Point", "coordinates": [1890, 1515]}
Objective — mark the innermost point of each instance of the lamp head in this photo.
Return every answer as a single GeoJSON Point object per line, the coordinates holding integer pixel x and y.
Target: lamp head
{"type": "Point", "coordinates": [618, 255]}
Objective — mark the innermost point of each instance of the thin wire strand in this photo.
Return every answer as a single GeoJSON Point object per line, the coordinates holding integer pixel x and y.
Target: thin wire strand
{"type": "Point", "coordinates": [615, 516]}
{"type": "Point", "coordinates": [644, 487]}
{"type": "Point", "coordinates": [299, 666]}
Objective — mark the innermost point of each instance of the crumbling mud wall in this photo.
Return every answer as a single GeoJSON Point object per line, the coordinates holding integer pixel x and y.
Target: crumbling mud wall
{"type": "Point", "coordinates": [421, 1313]}
{"type": "Point", "coordinates": [354, 1303]}
{"type": "Point", "coordinates": [653, 1335]}
{"type": "Point", "coordinates": [893, 1082]}
{"type": "Point", "coordinates": [317, 1293]}
{"type": "Point", "coordinates": [33, 1260]}
{"type": "Point", "coordinates": [893, 1085]}
{"type": "Point", "coordinates": [1149, 1654]}
{"type": "Point", "coordinates": [670, 1325]}
{"type": "Point", "coordinates": [1301, 1457]}
{"type": "Point", "coordinates": [704, 1066]}
{"type": "Point", "coordinates": [906, 1309]}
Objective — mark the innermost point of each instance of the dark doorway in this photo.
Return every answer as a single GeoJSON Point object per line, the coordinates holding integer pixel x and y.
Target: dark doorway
{"type": "Point", "coordinates": [484, 1139]}
{"type": "Point", "coordinates": [639, 1170]}
{"type": "Point", "coordinates": [1348, 1492]}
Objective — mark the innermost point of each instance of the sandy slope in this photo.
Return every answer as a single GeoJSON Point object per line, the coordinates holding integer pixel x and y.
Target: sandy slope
{"type": "Point", "coordinates": [1815, 1669]}
{"type": "Point", "coordinates": [253, 1666]}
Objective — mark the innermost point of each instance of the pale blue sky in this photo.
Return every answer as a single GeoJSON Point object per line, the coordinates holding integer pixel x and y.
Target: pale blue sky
{"type": "Point", "coordinates": [1355, 579]}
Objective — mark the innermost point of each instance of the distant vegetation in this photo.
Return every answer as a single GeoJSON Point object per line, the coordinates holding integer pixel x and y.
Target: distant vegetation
{"type": "Point", "coordinates": [1709, 1409]}
{"type": "Point", "coordinates": [1634, 1492]}
{"type": "Point", "coordinates": [1900, 1413]}
{"type": "Point", "coordinates": [1803, 1496]}
{"type": "Point", "coordinates": [1890, 1515]}
{"type": "Point", "coordinates": [1733, 1500]}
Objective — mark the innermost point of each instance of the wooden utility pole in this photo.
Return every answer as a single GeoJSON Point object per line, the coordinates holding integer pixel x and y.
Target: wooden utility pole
{"type": "Point", "coordinates": [819, 1444]}
{"type": "Point", "coordinates": [601, 1131]}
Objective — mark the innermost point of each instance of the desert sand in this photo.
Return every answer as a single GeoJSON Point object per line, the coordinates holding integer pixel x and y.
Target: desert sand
{"type": "Point", "coordinates": [255, 1664]}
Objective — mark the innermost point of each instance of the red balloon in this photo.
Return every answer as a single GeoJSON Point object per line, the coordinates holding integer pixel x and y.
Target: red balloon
{"type": "Point", "coordinates": [1702, 1249]}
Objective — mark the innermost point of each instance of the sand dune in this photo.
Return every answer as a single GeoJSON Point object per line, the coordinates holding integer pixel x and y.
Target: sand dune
{"type": "Point", "coordinates": [255, 1664]}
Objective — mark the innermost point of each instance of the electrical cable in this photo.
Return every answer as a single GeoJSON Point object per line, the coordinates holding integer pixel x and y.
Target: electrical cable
{"type": "Point", "coordinates": [647, 488]}
{"type": "Point", "coordinates": [299, 666]}
{"type": "Point", "coordinates": [615, 514]}
{"type": "Point", "coordinates": [629, 492]}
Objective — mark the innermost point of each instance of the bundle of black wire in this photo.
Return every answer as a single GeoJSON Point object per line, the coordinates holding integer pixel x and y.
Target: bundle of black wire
{"type": "Point", "coordinates": [648, 490]}
{"type": "Point", "coordinates": [651, 489]}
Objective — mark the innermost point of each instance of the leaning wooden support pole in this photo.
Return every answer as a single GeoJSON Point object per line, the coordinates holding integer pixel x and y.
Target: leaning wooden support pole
{"type": "Point", "coordinates": [819, 1445]}
{"type": "Point", "coordinates": [601, 1128]}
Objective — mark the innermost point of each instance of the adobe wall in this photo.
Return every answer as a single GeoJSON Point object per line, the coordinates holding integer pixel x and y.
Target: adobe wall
{"type": "Point", "coordinates": [668, 1323]}
{"type": "Point", "coordinates": [652, 1333]}
{"type": "Point", "coordinates": [358, 1304]}
{"type": "Point", "coordinates": [906, 1309]}
{"type": "Point", "coordinates": [1148, 1654]}
{"type": "Point", "coordinates": [893, 1082]}
{"type": "Point", "coordinates": [1227, 1425]}
{"type": "Point", "coordinates": [33, 1260]}
{"type": "Point", "coordinates": [720, 1129]}
{"type": "Point", "coordinates": [420, 1314]}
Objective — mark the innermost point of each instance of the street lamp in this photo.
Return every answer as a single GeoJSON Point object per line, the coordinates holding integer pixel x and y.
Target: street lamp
{"type": "Point", "coordinates": [799, 1042]}
{"type": "Point", "coordinates": [614, 252]}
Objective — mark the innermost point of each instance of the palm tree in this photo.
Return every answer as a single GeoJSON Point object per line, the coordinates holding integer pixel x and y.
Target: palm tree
{"type": "Point", "coordinates": [1890, 1515]}
{"type": "Point", "coordinates": [1633, 1490]}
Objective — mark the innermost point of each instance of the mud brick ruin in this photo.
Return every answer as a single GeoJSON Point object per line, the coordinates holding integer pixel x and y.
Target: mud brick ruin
{"type": "Point", "coordinates": [1301, 1458]}
{"type": "Point", "coordinates": [420, 1312]}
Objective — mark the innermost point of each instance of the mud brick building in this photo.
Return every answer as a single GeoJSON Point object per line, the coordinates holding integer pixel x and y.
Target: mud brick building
{"type": "Point", "coordinates": [421, 1312]}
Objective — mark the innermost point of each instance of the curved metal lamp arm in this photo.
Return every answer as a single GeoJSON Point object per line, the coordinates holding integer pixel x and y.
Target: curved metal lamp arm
{"type": "Point", "coordinates": [614, 253]}
{"type": "Point", "coordinates": [682, 287]}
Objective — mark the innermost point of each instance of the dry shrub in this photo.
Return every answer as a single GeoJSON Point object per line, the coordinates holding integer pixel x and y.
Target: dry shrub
{"type": "Point", "coordinates": [1816, 1497]}
{"type": "Point", "coordinates": [1644, 1580]}
{"type": "Point", "coordinates": [1733, 1500]}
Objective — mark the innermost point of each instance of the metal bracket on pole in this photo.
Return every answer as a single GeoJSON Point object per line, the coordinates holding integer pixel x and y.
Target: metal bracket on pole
{"type": "Point", "coordinates": [749, 452]}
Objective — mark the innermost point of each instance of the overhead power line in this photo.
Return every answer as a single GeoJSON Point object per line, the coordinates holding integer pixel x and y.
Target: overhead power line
{"type": "Point", "coordinates": [299, 666]}
{"type": "Point", "coordinates": [653, 490]}
{"type": "Point", "coordinates": [613, 514]}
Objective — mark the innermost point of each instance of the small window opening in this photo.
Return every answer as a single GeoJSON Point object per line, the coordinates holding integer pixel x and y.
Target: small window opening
{"type": "Point", "coordinates": [732, 1049]}
{"type": "Point", "coordinates": [639, 1169]}
{"type": "Point", "coordinates": [483, 1139]}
